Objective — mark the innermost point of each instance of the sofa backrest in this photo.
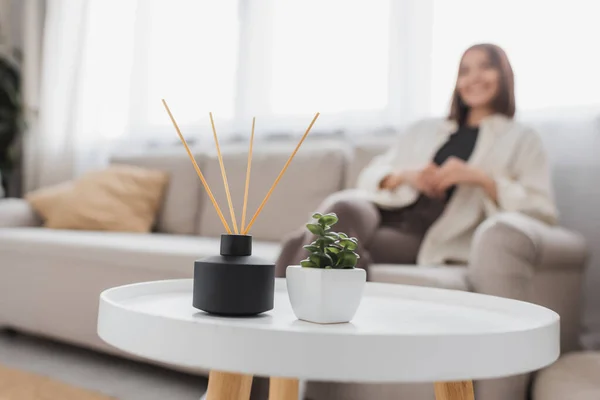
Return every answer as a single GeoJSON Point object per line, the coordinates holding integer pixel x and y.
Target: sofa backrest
{"type": "Point", "coordinates": [363, 151]}
{"type": "Point", "coordinates": [317, 170]}
{"type": "Point", "coordinates": [573, 145]}
{"type": "Point", "coordinates": [182, 200]}
{"type": "Point", "coordinates": [322, 167]}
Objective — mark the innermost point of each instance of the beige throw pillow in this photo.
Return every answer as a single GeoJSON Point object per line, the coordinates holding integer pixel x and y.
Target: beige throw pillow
{"type": "Point", "coordinates": [120, 198]}
{"type": "Point", "coordinates": [44, 200]}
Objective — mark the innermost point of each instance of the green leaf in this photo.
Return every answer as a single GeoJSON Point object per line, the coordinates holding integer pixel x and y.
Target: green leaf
{"type": "Point", "coordinates": [324, 241]}
{"type": "Point", "coordinates": [343, 235]}
{"type": "Point", "coordinates": [347, 259]}
{"type": "Point", "coordinates": [332, 249]}
{"type": "Point", "coordinates": [328, 219]}
{"type": "Point", "coordinates": [334, 258]}
{"type": "Point", "coordinates": [307, 264]}
{"type": "Point", "coordinates": [348, 244]}
{"type": "Point", "coordinates": [312, 248]}
{"type": "Point", "coordinates": [315, 229]}
{"type": "Point", "coordinates": [322, 260]}
{"type": "Point", "coordinates": [317, 215]}
{"type": "Point", "coordinates": [327, 240]}
{"type": "Point", "coordinates": [332, 235]}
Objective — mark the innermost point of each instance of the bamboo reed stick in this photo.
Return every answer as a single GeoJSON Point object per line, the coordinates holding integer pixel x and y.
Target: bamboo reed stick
{"type": "Point", "coordinates": [200, 175]}
{"type": "Point", "coordinates": [224, 176]}
{"type": "Point", "coordinates": [248, 177]}
{"type": "Point", "coordinates": [280, 175]}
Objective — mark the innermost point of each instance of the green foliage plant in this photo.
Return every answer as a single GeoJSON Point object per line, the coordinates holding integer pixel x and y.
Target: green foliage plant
{"type": "Point", "coordinates": [330, 250]}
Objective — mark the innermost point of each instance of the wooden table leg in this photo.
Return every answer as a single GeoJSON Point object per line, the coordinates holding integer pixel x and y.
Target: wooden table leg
{"type": "Point", "coordinates": [454, 390]}
{"type": "Point", "coordinates": [283, 389]}
{"type": "Point", "coordinates": [228, 386]}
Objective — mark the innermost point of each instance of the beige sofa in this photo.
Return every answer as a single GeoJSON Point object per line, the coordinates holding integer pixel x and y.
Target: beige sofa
{"type": "Point", "coordinates": [50, 280]}
{"type": "Point", "coordinates": [575, 376]}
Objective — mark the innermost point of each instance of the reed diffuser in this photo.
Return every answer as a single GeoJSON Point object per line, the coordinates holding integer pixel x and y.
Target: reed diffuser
{"type": "Point", "coordinates": [234, 283]}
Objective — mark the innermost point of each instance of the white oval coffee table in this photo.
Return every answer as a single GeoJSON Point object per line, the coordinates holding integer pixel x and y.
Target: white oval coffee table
{"type": "Point", "coordinates": [399, 334]}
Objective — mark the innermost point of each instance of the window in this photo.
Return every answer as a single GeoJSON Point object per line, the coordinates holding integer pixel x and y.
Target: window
{"type": "Point", "coordinates": [330, 55]}
{"type": "Point", "coordinates": [552, 45]}
{"type": "Point", "coordinates": [364, 64]}
{"type": "Point", "coordinates": [281, 61]}
{"type": "Point", "coordinates": [186, 52]}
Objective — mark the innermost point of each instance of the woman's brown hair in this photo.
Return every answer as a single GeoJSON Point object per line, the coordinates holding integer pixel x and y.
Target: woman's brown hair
{"type": "Point", "coordinates": [504, 103]}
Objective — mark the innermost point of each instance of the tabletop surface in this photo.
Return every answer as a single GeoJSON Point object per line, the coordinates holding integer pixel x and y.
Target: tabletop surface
{"type": "Point", "coordinates": [399, 334]}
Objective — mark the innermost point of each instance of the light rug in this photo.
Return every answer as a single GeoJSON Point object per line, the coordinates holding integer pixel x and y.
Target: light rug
{"type": "Point", "coordinates": [19, 385]}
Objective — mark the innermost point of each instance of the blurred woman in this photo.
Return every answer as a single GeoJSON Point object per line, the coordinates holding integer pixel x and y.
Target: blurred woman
{"type": "Point", "coordinates": [422, 200]}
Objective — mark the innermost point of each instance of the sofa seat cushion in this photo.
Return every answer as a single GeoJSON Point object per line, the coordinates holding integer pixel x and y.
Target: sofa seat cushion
{"type": "Point", "coordinates": [575, 376]}
{"type": "Point", "coordinates": [444, 277]}
{"type": "Point", "coordinates": [175, 253]}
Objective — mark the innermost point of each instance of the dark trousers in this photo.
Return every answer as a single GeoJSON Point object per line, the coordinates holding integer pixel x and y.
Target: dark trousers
{"type": "Point", "coordinates": [384, 236]}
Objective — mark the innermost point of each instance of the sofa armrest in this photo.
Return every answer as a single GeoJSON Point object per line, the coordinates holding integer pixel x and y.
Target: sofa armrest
{"type": "Point", "coordinates": [517, 257]}
{"type": "Point", "coordinates": [509, 249]}
{"type": "Point", "coordinates": [16, 213]}
{"type": "Point", "coordinates": [541, 245]}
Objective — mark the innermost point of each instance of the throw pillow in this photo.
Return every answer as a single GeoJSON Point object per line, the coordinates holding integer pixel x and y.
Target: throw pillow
{"type": "Point", "coordinates": [120, 198]}
{"type": "Point", "coordinates": [44, 200]}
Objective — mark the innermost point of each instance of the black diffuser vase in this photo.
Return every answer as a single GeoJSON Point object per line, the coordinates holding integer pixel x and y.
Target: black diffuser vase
{"type": "Point", "coordinates": [234, 283]}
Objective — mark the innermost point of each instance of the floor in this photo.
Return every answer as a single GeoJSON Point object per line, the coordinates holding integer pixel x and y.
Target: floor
{"type": "Point", "coordinates": [123, 379]}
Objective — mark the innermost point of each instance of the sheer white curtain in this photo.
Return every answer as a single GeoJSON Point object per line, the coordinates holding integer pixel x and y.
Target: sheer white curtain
{"type": "Point", "coordinates": [84, 89]}
{"type": "Point", "coordinates": [280, 61]}
{"type": "Point", "coordinates": [185, 51]}
{"type": "Point", "coordinates": [364, 64]}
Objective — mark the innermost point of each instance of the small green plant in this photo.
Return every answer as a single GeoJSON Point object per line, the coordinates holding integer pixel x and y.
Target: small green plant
{"type": "Point", "coordinates": [330, 249]}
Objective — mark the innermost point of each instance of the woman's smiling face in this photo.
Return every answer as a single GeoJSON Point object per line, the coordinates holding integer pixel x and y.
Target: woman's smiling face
{"type": "Point", "coordinates": [478, 81]}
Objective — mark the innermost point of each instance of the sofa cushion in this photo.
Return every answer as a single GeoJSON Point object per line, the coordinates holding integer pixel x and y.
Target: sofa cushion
{"type": "Point", "coordinates": [121, 198]}
{"type": "Point", "coordinates": [161, 252]}
{"type": "Point", "coordinates": [43, 200]}
{"type": "Point", "coordinates": [182, 198]}
{"type": "Point", "coordinates": [572, 143]}
{"type": "Point", "coordinates": [17, 212]}
{"type": "Point", "coordinates": [365, 149]}
{"type": "Point", "coordinates": [316, 171]}
{"type": "Point", "coordinates": [575, 376]}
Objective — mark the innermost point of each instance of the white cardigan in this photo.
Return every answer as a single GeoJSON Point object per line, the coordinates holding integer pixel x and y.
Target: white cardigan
{"type": "Point", "coordinates": [510, 153]}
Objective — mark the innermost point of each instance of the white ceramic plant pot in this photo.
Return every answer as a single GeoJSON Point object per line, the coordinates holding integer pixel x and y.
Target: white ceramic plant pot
{"type": "Point", "coordinates": [325, 296]}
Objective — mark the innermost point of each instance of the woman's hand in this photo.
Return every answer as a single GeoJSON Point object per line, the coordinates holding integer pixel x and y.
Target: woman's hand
{"type": "Point", "coordinates": [392, 181]}
{"type": "Point", "coordinates": [456, 172]}
{"type": "Point", "coordinates": [422, 180]}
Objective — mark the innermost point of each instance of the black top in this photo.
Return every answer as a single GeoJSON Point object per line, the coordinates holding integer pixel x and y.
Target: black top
{"type": "Point", "coordinates": [460, 144]}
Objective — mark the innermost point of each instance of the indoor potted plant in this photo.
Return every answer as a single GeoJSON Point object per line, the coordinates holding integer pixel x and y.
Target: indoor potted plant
{"type": "Point", "coordinates": [11, 118]}
{"type": "Point", "coordinates": [326, 287]}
